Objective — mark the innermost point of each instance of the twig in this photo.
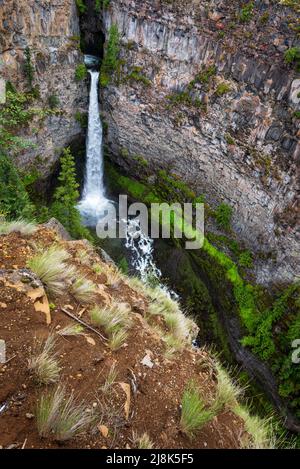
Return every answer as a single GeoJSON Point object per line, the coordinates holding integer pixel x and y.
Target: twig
{"type": "Point", "coordinates": [24, 444]}
{"type": "Point", "coordinates": [7, 361]}
{"type": "Point", "coordinates": [83, 323]}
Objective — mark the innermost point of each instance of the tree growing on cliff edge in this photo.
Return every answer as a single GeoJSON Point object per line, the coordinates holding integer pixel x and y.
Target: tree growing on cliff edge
{"type": "Point", "coordinates": [110, 61]}
{"type": "Point", "coordinates": [66, 196]}
{"type": "Point", "coordinates": [14, 200]}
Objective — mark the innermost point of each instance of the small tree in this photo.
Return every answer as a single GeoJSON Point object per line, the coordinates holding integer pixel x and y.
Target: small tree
{"type": "Point", "coordinates": [66, 196]}
{"type": "Point", "coordinates": [111, 57]}
{"type": "Point", "coordinates": [14, 200]}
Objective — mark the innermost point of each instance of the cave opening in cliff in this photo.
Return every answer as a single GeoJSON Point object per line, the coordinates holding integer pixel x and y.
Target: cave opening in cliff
{"type": "Point", "coordinates": [92, 36]}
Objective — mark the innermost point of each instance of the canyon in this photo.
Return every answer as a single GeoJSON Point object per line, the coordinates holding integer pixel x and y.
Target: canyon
{"type": "Point", "coordinates": [199, 94]}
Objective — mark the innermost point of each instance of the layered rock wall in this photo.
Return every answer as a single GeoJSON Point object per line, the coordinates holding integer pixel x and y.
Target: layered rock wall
{"type": "Point", "coordinates": [241, 147]}
{"type": "Point", "coordinates": [50, 28]}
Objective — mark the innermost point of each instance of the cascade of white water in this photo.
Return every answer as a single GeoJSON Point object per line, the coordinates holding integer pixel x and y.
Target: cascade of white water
{"type": "Point", "coordinates": [93, 202]}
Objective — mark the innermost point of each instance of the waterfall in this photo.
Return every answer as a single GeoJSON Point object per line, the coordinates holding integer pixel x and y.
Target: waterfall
{"type": "Point", "coordinates": [93, 201]}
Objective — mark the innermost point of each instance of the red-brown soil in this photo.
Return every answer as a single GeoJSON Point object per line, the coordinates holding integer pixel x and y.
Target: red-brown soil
{"type": "Point", "coordinates": [155, 404]}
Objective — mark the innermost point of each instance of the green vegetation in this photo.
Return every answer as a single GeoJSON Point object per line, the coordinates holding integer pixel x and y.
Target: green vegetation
{"type": "Point", "coordinates": [66, 196]}
{"type": "Point", "coordinates": [80, 72]}
{"type": "Point", "coordinates": [136, 75]}
{"type": "Point", "coordinates": [81, 7]}
{"type": "Point", "coordinates": [60, 416]}
{"type": "Point", "coordinates": [45, 365]}
{"type": "Point", "coordinates": [51, 268]}
{"type": "Point", "coordinates": [82, 118]}
{"type": "Point", "coordinates": [222, 89]}
{"type": "Point", "coordinates": [14, 114]}
{"type": "Point", "coordinates": [271, 339]}
{"type": "Point", "coordinates": [53, 101]}
{"type": "Point", "coordinates": [292, 56]}
{"type": "Point", "coordinates": [246, 259]}
{"type": "Point", "coordinates": [194, 414]}
{"type": "Point", "coordinates": [110, 61]}
{"type": "Point", "coordinates": [13, 203]}
{"type": "Point", "coordinates": [247, 12]}
{"type": "Point", "coordinates": [101, 4]}
{"type": "Point", "coordinates": [223, 215]}
{"type": "Point", "coordinates": [24, 227]}
{"type": "Point", "coordinates": [115, 320]}
{"type": "Point", "coordinates": [83, 290]}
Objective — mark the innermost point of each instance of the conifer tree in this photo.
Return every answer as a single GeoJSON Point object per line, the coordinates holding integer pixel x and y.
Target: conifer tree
{"type": "Point", "coordinates": [66, 196]}
{"type": "Point", "coordinates": [14, 200]}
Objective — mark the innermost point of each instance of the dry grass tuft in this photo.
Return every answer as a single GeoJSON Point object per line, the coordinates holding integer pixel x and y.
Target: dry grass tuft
{"type": "Point", "coordinates": [59, 415]}
{"type": "Point", "coordinates": [45, 365]}
{"type": "Point", "coordinates": [52, 270]}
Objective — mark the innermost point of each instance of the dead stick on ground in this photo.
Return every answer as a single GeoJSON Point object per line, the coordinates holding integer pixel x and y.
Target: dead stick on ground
{"type": "Point", "coordinates": [83, 323]}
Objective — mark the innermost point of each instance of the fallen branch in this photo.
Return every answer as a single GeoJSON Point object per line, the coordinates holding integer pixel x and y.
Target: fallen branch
{"type": "Point", "coordinates": [83, 323]}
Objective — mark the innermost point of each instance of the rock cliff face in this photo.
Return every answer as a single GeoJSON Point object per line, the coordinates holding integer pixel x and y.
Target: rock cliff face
{"type": "Point", "coordinates": [50, 28]}
{"type": "Point", "coordinates": [232, 135]}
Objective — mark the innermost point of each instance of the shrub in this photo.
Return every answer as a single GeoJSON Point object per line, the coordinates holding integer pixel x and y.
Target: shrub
{"type": "Point", "coordinates": [194, 414]}
{"type": "Point", "coordinates": [223, 216]}
{"type": "Point", "coordinates": [80, 72]}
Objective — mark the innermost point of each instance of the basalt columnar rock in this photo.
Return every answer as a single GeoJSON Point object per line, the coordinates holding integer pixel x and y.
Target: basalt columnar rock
{"type": "Point", "coordinates": [50, 29]}
{"type": "Point", "coordinates": [205, 93]}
